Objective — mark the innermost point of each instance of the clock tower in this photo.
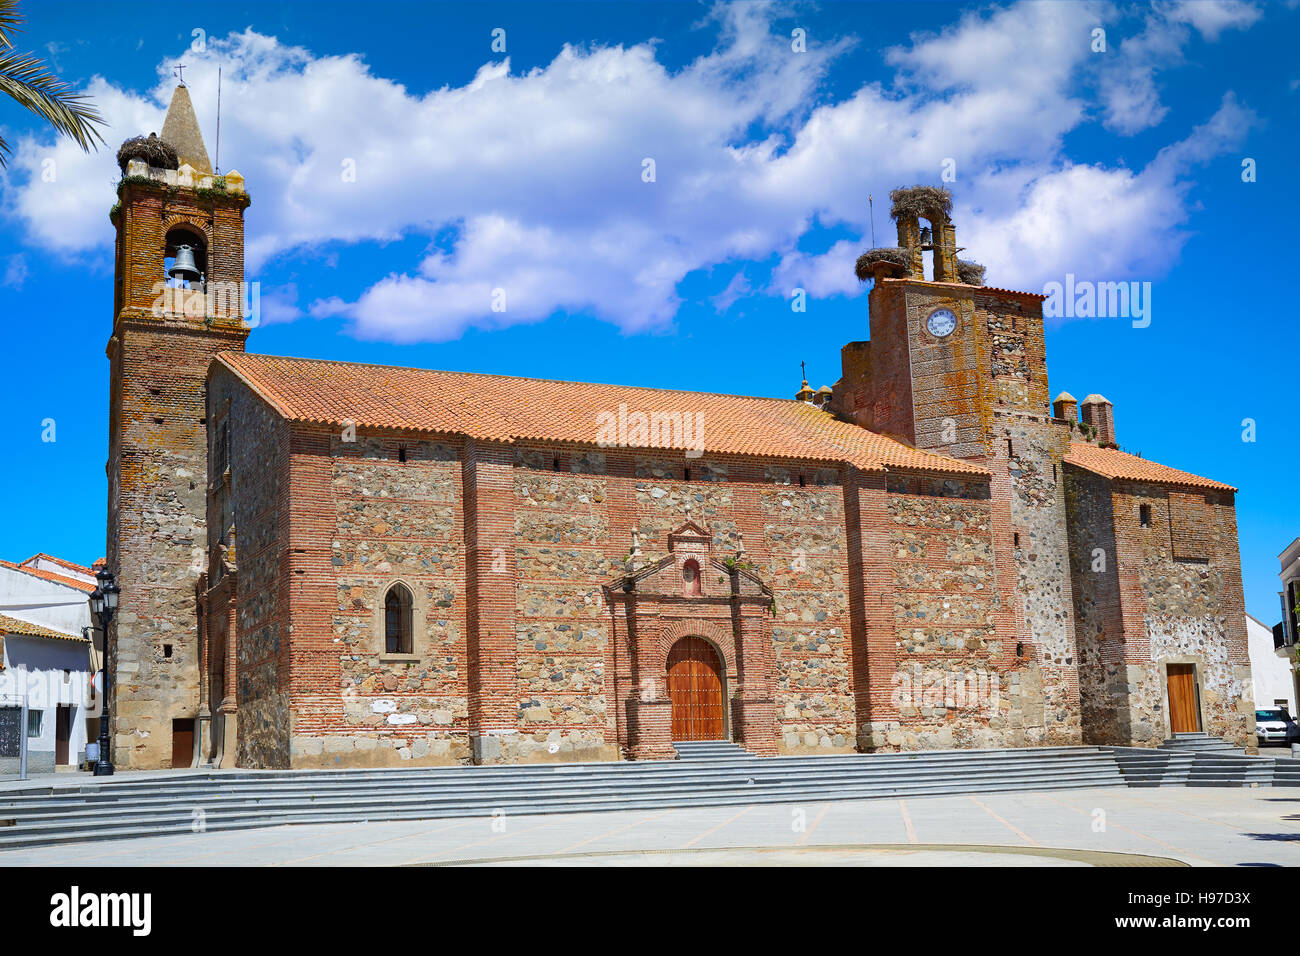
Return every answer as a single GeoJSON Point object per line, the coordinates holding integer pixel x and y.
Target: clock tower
{"type": "Point", "coordinates": [959, 367]}
{"type": "Point", "coordinates": [948, 355]}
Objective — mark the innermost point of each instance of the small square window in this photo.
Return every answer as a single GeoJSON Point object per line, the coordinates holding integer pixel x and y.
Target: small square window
{"type": "Point", "coordinates": [1144, 516]}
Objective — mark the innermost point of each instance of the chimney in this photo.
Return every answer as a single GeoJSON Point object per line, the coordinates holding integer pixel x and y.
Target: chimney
{"type": "Point", "coordinates": [1065, 406]}
{"type": "Point", "coordinates": [1100, 414]}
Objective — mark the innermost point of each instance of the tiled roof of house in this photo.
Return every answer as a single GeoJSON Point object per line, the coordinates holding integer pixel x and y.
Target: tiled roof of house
{"type": "Point", "coordinates": [1113, 463]}
{"type": "Point", "coordinates": [507, 409]}
{"type": "Point", "coordinates": [11, 625]}
{"type": "Point", "coordinates": [50, 576]}
{"type": "Point", "coordinates": [70, 565]}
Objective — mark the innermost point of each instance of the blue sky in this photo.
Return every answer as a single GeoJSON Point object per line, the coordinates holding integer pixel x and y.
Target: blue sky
{"type": "Point", "coordinates": [478, 169]}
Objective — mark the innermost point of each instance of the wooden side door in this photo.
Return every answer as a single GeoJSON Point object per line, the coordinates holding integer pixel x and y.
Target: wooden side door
{"type": "Point", "coordinates": [182, 742]}
{"type": "Point", "coordinates": [62, 734]}
{"type": "Point", "coordinates": [695, 689]}
{"type": "Point", "coordinates": [1183, 715]}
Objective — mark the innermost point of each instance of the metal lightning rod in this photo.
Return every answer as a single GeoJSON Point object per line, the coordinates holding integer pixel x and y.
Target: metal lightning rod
{"type": "Point", "coordinates": [217, 163]}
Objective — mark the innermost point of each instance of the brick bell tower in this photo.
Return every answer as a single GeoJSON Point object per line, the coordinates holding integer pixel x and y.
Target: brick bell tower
{"type": "Point", "coordinates": [178, 298]}
{"type": "Point", "coordinates": [960, 367]}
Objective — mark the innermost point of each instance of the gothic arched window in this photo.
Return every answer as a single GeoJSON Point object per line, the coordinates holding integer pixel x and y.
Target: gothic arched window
{"type": "Point", "coordinates": [398, 638]}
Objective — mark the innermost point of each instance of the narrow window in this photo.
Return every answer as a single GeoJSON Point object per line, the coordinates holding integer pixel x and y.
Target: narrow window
{"type": "Point", "coordinates": [557, 463]}
{"type": "Point", "coordinates": [1015, 538]}
{"type": "Point", "coordinates": [401, 453]}
{"type": "Point", "coordinates": [801, 481]}
{"type": "Point", "coordinates": [691, 578]}
{"type": "Point", "coordinates": [688, 474]}
{"type": "Point", "coordinates": [167, 652]}
{"type": "Point", "coordinates": [397, 621]}
{"type": "Point", "coordinates": [1011, 452]}
{"type": "Point", "coordinates": [1144, 516]}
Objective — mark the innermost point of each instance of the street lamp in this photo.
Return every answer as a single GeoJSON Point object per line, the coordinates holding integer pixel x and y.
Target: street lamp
{"type": "Point", "coordinates": [103, 605]}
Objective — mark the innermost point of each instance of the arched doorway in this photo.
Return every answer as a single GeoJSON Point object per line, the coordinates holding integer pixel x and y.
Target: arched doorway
{"type": "Point", "coordinates": [695, 689]}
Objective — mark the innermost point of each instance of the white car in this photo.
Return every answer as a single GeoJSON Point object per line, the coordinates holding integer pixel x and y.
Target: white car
{"type": "Point", "coordinates": [1276, 726]}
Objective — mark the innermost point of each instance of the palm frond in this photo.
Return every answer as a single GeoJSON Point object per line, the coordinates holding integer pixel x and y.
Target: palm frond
{"type": "Point", "coordinates": [27, 80]}
{"type": "Point", "coordinates": [11, 22]}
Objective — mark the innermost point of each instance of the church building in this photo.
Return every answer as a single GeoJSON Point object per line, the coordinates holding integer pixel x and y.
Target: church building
{"type": "Point", "coordinates": [331, 564]}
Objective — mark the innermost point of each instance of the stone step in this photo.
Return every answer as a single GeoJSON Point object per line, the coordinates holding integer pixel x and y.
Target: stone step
{"type": "Point", "coordinates": [186, 782]}
{"type": "Point", "coordinates": [717, 776]}
{"type": "Point", "coordinates": [182, 819]}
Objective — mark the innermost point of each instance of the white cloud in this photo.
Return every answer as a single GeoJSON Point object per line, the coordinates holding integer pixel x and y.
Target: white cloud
{"type": "Point", "coordinates": [737, 289]}
{"type": "Point", "coordinates": [532, 182]}
{"type": "Point", "coordinates": [1127, 77]}
{"type": "Point", "coordinates": [15, 272]}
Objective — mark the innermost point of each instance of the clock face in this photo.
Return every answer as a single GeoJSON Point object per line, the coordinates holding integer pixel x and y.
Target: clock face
{"type": "Point", "coordinates": [941, 322]}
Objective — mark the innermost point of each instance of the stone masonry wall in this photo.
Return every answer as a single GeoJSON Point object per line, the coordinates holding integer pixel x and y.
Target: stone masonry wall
{"type": "Point", "coordinates": [395, 519]}
{"type": "Point", "coordinates": [258, 468]}
{"type": "Point", "coordinates": [1034, 450]}
{"type": "Point", "coordinates": [1173, 597]}
{"type": "Point", "coordinates": [956, 682]}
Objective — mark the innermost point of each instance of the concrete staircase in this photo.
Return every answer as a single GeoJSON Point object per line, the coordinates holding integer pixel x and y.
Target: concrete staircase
{"type": "Point", "coordinates": [226, 800]}
{"type": "Point", "coordinates": [1153, 768]}
{"type": "Point", "coordinates": [1204, 762]}
{"type": "Point", "coordinates": [709, 750]}
{"type": "Point", "coordinates": [1199, 743]}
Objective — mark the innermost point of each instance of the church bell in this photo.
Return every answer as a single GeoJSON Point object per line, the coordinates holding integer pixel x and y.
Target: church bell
{"type": "Point", "coordinates": [184, 266]}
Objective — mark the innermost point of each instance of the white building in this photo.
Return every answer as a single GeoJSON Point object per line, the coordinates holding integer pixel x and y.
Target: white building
{"type": "Point", "coordinates": [47, 659]}
{"type": "Point", "coordinates": [1270, 670]}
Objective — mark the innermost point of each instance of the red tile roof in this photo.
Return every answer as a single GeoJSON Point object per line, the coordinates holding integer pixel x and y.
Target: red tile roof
{"type": "Point", "coordinates": [50, 576]}
{"type": "Point", "coordinates": [11, 625]}
{"type": "Point", "coordinates": [507, 409]}
{"type": "Point", "coordinates": [1112, 463]}
{"type": "Point", "coordinates": [71, 566]}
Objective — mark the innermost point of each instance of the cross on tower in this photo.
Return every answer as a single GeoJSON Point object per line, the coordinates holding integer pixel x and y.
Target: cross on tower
{"type": "Point", "coordinates": [179, 72]}
{"type": "Point", "coordinates": [803, 370]}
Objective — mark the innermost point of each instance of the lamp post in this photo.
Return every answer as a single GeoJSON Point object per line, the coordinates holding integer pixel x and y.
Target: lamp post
{"type": "Point", "coordinates": [103, 605]}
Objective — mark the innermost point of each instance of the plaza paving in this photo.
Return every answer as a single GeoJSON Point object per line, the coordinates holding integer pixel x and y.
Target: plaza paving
{"type": "Point", "coordinates": [1119, 827]}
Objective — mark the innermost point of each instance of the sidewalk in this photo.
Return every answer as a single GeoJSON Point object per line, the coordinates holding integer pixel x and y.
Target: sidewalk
{"type": "Point", "coordinates": [1156, 827]}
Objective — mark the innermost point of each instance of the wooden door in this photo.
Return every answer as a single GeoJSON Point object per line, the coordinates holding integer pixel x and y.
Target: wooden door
{"type": "Point", "coordinates": [62, 732]}
{"type": "Point", "coordinates": [695, 688]}
{"type": "Point", "coordinates": [182, 743]}
{"type": "Point", "coordinates": [1183, 716]}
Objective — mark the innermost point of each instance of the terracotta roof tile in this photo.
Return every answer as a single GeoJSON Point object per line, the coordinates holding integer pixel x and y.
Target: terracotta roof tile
{"type": "Point", "coordinates": [508, 409]}
{"type": "Point", "coordinates": [11, 625]}
{"type": "Point", "coordinates": [70, 565]}
{"type": "Point", "coordinates": [50, 576]}
{"type": "Point", "coordinates": [1112, 463]}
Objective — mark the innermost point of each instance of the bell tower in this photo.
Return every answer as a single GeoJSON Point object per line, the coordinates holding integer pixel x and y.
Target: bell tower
{"type": "Point", "coordinates": [959, 367]}
{"type": "Point", "coordinates": [178, 298]}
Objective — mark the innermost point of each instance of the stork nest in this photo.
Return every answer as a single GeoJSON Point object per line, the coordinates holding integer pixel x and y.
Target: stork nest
{"type": "Point", "coordinates": [865, 268]}
{"type": "Point", "coordinates": [971, 273]}
{"type": "Point", "coordinates": [921, 201]}
{"type": "Point", "coordinates": [151, 149]}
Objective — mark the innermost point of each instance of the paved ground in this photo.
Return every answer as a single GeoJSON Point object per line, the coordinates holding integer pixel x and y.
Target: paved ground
{"type": "Point", "coordinates": [1171, 826]}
